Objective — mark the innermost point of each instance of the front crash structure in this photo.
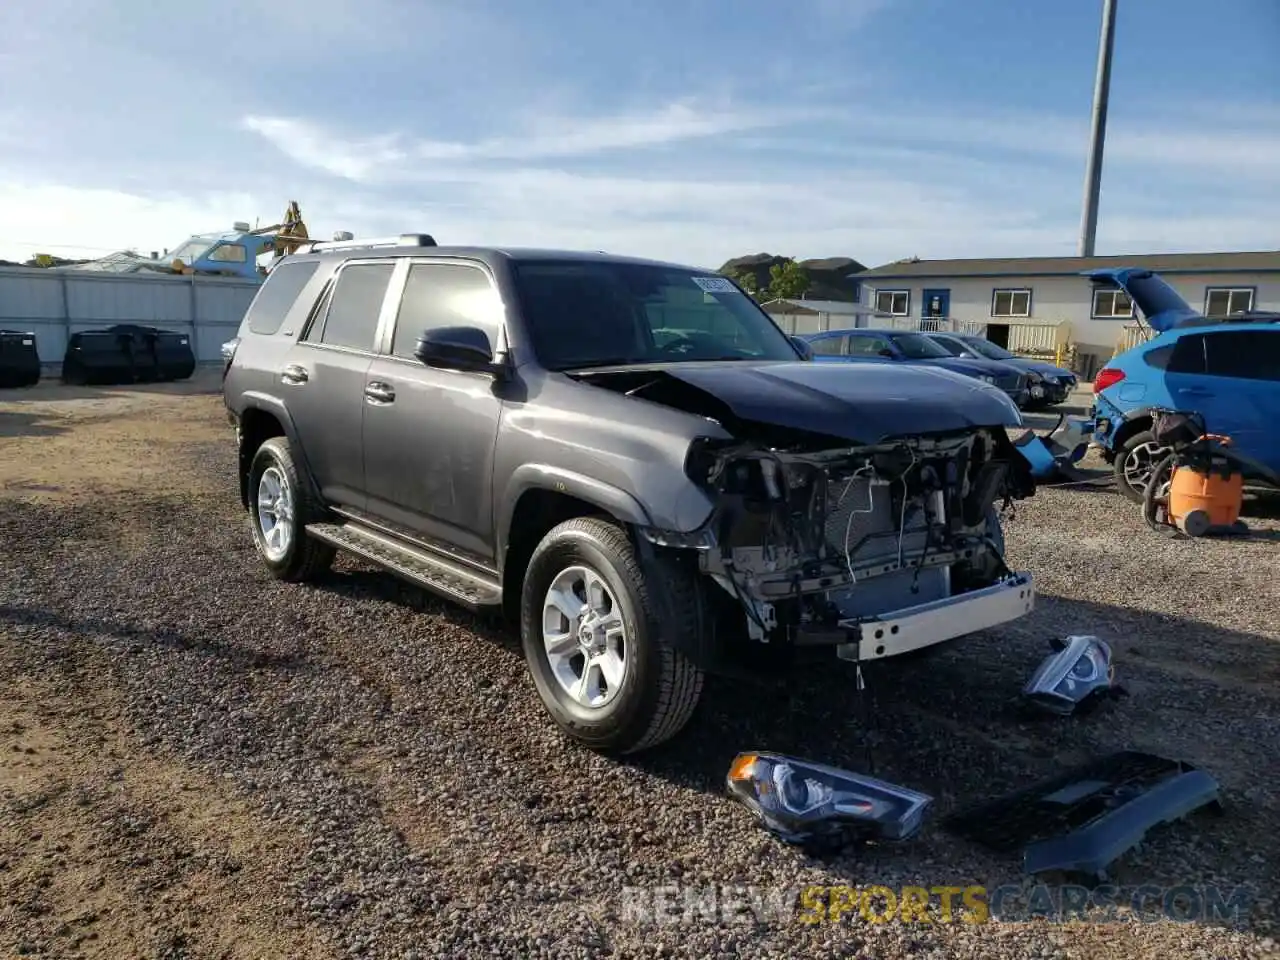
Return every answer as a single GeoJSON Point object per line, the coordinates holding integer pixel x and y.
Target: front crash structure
{"type": "Point", "coordinates": [876, 550]}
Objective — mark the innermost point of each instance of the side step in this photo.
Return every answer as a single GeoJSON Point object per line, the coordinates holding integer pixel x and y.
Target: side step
{"type": "Point", "coordinates": [423, 569]}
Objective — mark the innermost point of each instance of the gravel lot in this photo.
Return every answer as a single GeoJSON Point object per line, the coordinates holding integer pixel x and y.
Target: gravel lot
{"type": "Point", "coordinates": [196, 761]}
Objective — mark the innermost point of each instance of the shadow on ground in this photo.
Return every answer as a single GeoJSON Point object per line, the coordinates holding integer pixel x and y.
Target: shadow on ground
{"type": "Point", "coordinates": [13, 425]}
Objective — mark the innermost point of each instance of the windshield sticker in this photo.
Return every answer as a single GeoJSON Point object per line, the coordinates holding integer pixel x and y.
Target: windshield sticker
{"type": "Point", "coordinates": [715, 284]}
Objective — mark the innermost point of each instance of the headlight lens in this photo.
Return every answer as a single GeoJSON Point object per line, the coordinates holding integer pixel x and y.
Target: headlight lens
{"type": "Point", "coordinates": [800, 801]}
{"type": "Point", "coordinates": [987, 379]}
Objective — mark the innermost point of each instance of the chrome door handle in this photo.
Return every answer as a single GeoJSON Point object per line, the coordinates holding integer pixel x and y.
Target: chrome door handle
{"type": "Point", "coordinates": [377, 392]}
{"type": "Point", "coordinates": [294, 373]}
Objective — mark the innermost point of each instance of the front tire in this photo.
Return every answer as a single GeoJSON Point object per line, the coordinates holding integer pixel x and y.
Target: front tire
{"type": "Point", "coordinates": [594, 641]}
{"type": "Point", "coordinates": [280, 507]}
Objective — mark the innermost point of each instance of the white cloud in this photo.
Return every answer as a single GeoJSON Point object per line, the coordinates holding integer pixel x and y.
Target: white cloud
{"type": "Point", "coordinates": [548, 137]}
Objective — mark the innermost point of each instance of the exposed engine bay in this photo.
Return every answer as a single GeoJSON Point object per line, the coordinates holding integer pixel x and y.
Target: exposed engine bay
{"type": "Point", "coordinates": [818, 537]}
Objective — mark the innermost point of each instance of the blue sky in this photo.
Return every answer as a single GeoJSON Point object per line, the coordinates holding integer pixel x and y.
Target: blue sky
{"type": "Point", "coordinates": [689, 130]}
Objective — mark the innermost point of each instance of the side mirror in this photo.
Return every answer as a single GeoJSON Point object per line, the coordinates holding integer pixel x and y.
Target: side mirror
{"type": "Point", "coordinates": [456, 348]}
{"type": "Point", "coordinates": [804, 346]}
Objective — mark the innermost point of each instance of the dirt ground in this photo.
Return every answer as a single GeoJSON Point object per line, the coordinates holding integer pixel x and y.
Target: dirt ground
{"type": "Point", "coordinates": [174, 783]}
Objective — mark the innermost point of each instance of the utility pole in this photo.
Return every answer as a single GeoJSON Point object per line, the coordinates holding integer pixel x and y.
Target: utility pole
{"type": "Point", "coordinates": [1101, 93]}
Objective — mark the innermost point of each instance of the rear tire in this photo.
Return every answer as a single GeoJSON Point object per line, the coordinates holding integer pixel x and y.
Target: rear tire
{"type": "Point", "coordinates": [594, 640]}
{"type": "Point", "coordinates": [280, 507]}
{"type": "Point", "coordinates": [1128, 464]}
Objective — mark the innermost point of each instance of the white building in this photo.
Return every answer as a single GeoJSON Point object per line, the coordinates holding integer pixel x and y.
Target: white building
{"type": "Point", "coordinates": [1040, 302]}
{"type": "Point", "coordinates": [815, 316]}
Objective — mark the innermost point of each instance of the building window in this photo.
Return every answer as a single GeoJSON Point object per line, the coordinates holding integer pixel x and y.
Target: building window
{"type": "Point", "coordinates": [1112, 305]}
{"type": "Point", "coordinates": [896, 303]}
{"type": "Point", "coordinates": [1011, 303]}
{"type": "Point", "coordinates": [1223, 301]}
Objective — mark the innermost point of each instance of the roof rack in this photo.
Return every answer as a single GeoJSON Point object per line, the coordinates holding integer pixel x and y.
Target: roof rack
{"type": "Point", "coordinates": [1246, 316]}
{"type": "Point", "coordinates": [347, 243]}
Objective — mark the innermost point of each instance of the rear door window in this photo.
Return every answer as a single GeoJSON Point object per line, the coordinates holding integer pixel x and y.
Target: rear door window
{"type": "Point", "coordinates": [1244, 354]}
{"type": "Point", "coordinates": [829, 346]}
{"type": "Point", "coordinates": [351, 320]}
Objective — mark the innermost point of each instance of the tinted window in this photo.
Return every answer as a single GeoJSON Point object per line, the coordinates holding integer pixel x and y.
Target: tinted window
{"type": "Point", "coordinates": [597, 313]}
{"type": "Point", "coordinates": [1159, 357]}
{"type": "Point", "coordinates": [1249, 354]}
{"type": "Point", "coordinates": [984, 347]}
{"type": "Point", "coordinates": [445, 295]}
{"type": "Point", "coordinates": [868, 346]}
{"type": "Point", "coordinates": [918, 347]}
{"type": "Point", "coordinates": [352, 317]}
{"type": "Point", "coordinates": [277, 294]}
{"type": "Point", "coordinates": [1188, 356]}
{"type": "Point", "coordinates": [828, 346]}
{"type": "Point", "coordinates": [953, 347]}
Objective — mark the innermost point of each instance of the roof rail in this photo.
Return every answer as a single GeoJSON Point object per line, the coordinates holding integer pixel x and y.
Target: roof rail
{"type": "Point", "coordinates": [403, 240]}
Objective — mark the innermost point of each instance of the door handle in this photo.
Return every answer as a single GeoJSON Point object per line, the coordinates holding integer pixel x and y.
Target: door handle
{"type": "Point", "coordinates": [378, 392]}
{"type": "Point", "coordinates": [294, 373]}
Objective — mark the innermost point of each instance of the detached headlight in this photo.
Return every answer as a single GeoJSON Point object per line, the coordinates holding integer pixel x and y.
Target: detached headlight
{"type": "Point", "coordinates": [800, 801]}
{"type": "Point", "coordinates": [1080, 670]}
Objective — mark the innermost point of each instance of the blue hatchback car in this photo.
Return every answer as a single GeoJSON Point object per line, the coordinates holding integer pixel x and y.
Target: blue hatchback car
{"type": "Point", "coordinates": [1225, 368]}
{"type": "Point", "coordinates": [908, 346]}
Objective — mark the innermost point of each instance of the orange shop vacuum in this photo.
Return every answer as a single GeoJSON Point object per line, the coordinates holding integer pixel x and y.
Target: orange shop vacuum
{"type": "Point", "coordinates": [1197, 490]}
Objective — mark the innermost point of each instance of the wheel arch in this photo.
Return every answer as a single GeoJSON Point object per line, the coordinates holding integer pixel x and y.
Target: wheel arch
{"type": "Point", "coordinates": [261, 419]}
{"type": "Point", "coordinates": [543, 498]}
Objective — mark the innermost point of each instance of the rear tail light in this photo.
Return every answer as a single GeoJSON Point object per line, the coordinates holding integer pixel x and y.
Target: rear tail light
{"type": "Point", "coordinates": [1107, 377]}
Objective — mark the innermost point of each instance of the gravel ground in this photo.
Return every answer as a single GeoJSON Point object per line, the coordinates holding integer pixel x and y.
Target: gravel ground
{"type": "Point", "coordinates": [196, 761]}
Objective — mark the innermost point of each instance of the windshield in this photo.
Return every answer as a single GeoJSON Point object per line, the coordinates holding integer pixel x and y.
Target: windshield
{"type": "Point", "coordinates": [584, 314]}
{"type": "Point", "coordinates": [191, 250]}
{"type": "Point", "coordinates": [988, 349]}
{"type": "Point", "coordinates": [918, 347]}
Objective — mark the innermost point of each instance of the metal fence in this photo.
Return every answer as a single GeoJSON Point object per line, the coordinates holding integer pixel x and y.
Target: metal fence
{"type": "Point", "coordinates": [54, 304]}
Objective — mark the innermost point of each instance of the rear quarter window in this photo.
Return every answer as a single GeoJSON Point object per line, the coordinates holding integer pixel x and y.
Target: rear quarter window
{"type": "Point", "coordinates": [276, 297]}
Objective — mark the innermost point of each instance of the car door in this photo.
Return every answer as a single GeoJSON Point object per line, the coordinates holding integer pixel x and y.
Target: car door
{"type": "Point", "coordinates": [429, 433]}
{"type": "Point", "coordinates": [323, 378]}
{"type": "Point", "coordinates": [1233, 378]}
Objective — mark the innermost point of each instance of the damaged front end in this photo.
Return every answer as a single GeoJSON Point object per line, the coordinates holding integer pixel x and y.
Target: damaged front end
{"type": "Point", "coordinates": [875, 549]}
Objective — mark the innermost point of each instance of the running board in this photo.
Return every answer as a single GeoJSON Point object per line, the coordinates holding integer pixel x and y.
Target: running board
{"type": "Point", "coordinates": [417, 566]}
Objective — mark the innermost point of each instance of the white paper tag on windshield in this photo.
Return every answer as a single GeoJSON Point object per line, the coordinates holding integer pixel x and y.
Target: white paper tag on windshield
{"type": "Point", "coordinates": [715, 284]}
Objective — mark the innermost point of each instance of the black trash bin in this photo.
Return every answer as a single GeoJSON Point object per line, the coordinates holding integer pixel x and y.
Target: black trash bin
{"type": "Point", "coordinates": [128, 353]}
{"type": "Point", "coordinates": [19, 359]}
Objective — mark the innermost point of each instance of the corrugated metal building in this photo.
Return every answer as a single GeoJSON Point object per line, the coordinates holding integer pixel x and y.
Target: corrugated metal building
{"type": "Point", "coordinates": [54, 304]}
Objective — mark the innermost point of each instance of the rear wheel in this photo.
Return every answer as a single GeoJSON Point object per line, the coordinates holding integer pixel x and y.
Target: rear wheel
{"type": "Point", "coordinates": [280, 507]}
{"type": "Point", "coordinates": [594, 641]}
{"type": "Point", "coordinates": [1135, 462]}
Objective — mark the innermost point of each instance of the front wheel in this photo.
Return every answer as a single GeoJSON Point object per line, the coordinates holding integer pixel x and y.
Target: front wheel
{"type": "Point", "coordinates": [594, 643]}
{"type": "Point", "coordinates": [1135, 462]}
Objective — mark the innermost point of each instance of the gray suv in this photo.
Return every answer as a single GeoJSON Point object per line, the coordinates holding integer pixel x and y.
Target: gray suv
{"type": "Point", "coordinates": [627, 458]}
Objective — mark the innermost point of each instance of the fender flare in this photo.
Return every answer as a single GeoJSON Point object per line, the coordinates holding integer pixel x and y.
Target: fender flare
{"type": "Point", "coordinates": [265, 402]}
{"type": "Point", "coordinates": [539, 476]}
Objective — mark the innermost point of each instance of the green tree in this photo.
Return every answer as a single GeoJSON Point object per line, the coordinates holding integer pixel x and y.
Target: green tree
{"type": "Point", "coordinates": [787, 281]}
{"type": "Point", "coordinates": [746, 280]}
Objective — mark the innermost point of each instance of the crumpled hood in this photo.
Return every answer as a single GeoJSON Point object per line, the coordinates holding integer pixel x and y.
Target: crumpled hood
{"type": "Point", "coordinates": [860, 402]}
{"type": "Point", "coordinates": [1045, 369]}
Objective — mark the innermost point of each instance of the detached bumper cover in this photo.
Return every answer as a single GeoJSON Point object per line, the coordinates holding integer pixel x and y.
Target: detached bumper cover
{"type": "Point", "coordinates": [913, 628]}
{"type": "Point", "coordinates": [1082, 821]}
